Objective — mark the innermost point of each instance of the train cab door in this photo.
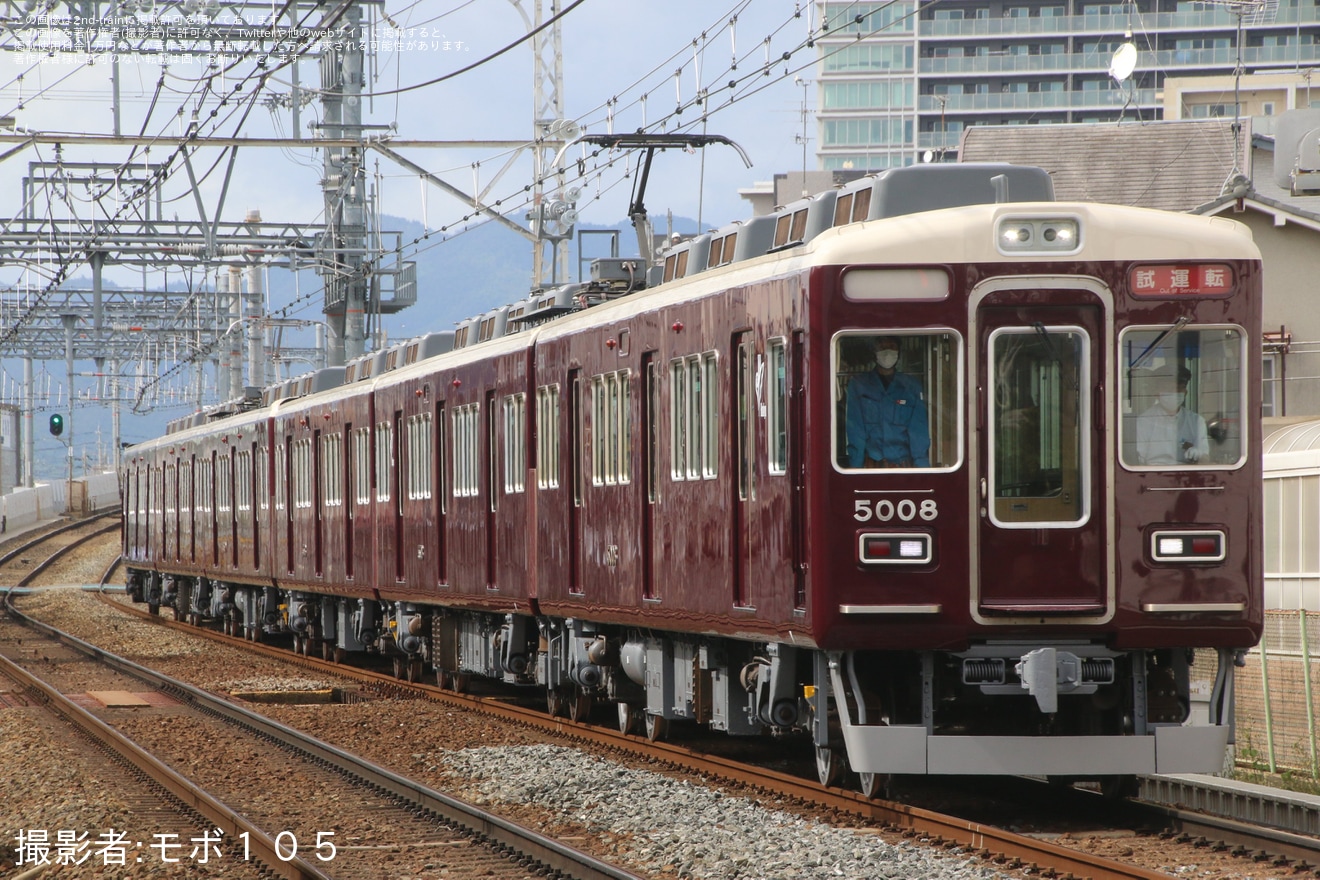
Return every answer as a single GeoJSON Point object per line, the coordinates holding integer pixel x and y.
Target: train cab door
{"type": "Point", "coordinates": [1040, 374]}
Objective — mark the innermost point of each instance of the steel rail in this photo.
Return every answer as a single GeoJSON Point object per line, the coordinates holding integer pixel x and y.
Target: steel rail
{"type": "Point", "coordinates": [230, 822]}
{"type": "Point", "coordinates": [501, 833]}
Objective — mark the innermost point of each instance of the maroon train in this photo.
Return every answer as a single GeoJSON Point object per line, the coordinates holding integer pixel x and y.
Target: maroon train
{"type": "Point", "coordinates": [652, 496]}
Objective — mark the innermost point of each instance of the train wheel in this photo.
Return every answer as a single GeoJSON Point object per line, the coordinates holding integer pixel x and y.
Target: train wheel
{"type": "Point", "coordinates": [441, 678]}
{"type": "Point", "coordinates": [657, 727]}
{"type": "Point", "coordinates": [872, 784]}
{"type": "Point", "coordinates": [153, 609]}
{"type": "Point", "coordinates": [579, 706]}
{"type": "Point", "coordinates": [414, 670]}
{"type": "Point", "coordinates": [398, 667]}
{"type": "Point", "coordinates": [829, 765]}
{"type": "Point", "coordinates": [630, 718]}
{"type": "Point", "coordinates": [327, 651]}
{"type": "Point", "coordinates": [297, 644]}
{"type": "Point", "coordinates": [555, 702]}
{"type": "Point", "coordinates": [461, 682]}
{"type": "Point", "coordinates": [340, 654]}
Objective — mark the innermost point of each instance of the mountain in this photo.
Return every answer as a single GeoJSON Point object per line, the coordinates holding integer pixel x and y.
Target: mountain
{"type": "Point", "coordinates": [491, 266]}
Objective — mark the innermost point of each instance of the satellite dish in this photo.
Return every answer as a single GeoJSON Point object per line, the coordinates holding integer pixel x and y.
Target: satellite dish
{"type": "Point", "coordinates": [1123, 62]}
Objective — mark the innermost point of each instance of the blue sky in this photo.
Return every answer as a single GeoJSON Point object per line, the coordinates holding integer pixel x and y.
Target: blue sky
{"type": "Point", "coordinates": [612, 49]}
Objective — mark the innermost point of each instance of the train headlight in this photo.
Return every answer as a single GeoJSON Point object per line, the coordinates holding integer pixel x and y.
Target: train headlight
{"type": "Point", "coordinates": [1167, 545]}
{"type": "Point", "coordinates": [1038, 235]}
{"type": "Point", "coordinates": [893, 548]}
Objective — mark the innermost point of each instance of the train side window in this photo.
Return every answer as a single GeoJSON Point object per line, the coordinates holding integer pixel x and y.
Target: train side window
{"type": "Point", "coordinates": [777, 408]}
{"type": "Point", "coordinates": [547, 437]}
{"type": "Point", "coordinates": [224, 500]}
{"type": "Point", "coordinates": [302, 466]}
{"type": "Point", "coordinates": [362, 465]}
{"type": "Point", "coordinates": [1040, 425]}
{"type": "Point", "coordinates": [280, 496]}
{"type": "Point", "coordinates": [263, 479]}
{"type": "Point", "coordinates": [611, 442]}
{"type": "Point", "coordinates": [185, 487]}
{"type": "Point", "coordinates": [898, 399]}
{"type": "Point", "coordinates": [467, 434]}
{"type": "Point", "coordinates": [332, 470]}
{"type": "Point", "coordinates": [694, 417]}
{"type": "Point", "coordinates": [384, 460]}
{"type": "Point", "coordinates": [243, 481]}
{"type": "Point", "coordinates": [515, 446]}
{"type": "Point", "coordinates": [678, 418]}
{"type": "Point", "coordinates": [419, 457]}
{"type": "Point", "coordinates": [1183, 395]}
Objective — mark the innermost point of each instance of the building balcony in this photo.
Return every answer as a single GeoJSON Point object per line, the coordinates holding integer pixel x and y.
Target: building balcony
{"type": "Point", "coordinates": [1084, 25]}
{"type": "Point", "coordinates": [999, 102]}
{"type": "Point", "coordinates": [1169, 62]}
{"type": "Point", "coordinates": [938, 140]}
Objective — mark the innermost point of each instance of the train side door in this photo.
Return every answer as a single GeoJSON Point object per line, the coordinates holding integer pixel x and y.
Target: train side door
{"type": "Point", "coordinates": [650, 448]}
{"type": "Point", "coordinates": [576, 478]}
{"type": "Point", "coordinates": [743, 423]}
{"type": "Point", "coordinates": [1042, 480]}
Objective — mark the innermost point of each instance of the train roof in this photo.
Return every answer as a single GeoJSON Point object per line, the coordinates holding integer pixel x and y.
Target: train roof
{"type": "Point", "coordinates": [199, 430]}
{"type": "Point", "coordinates": [951, 236]}
{"type": "Point", "coordinates": [901, 216]}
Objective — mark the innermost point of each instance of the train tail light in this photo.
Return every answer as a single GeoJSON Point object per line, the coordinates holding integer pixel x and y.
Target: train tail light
{"type": "Point", "coordinates": [1168, 545]}
{"type": "Point", "coordinates": [889, 548]}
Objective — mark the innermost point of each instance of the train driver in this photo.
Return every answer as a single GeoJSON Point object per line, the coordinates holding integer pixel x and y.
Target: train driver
{"type": "Point", "coordinates": [887, 422]}
{"type": "Point", "coordinates": [1168, 432]}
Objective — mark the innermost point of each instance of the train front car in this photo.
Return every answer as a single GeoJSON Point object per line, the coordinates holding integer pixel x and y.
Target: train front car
{"type": "Point", "coordinates": [1033, 480]}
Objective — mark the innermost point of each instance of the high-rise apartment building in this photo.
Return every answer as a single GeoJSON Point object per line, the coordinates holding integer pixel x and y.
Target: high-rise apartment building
{"type": "Point", "coordinates": [897, 80]}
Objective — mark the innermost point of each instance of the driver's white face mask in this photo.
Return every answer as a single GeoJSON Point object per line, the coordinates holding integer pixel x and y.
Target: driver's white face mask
{"type": "Point", "coordinates": [1171, 400]}
{"type": "Point", "coordinates": [886, 358]}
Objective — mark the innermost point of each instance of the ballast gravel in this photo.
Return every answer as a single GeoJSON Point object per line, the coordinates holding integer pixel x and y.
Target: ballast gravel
{"type": "Point", "coordinates": [680, 829]}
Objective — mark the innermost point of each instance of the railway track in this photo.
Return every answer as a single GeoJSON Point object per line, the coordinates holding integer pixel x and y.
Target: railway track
{"type": "Point", "coordinates": [41, 550]}
{"type": "Point", "coordinates": [478, 841]}
{"type": "Point", "coordinates": [168, 793]}
{"type": "Point", "coordinates": [1195, 833]}
{"type": "Point", "coordinates": [1037, 854]}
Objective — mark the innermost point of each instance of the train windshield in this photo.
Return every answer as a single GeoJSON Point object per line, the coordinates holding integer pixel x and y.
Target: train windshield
{"type": "Point", "coordinates": [1039, 451]}
{"type": "Point", "coordinates": [896, 399]}
{"type": "Point", "coordinates": [1183, 395]}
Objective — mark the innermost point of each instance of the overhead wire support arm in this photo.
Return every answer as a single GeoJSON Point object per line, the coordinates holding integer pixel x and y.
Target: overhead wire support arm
{"type": "Point", "coordinates": [447, 187]}
{"type": "Point", "coordinates": [650, 143]}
